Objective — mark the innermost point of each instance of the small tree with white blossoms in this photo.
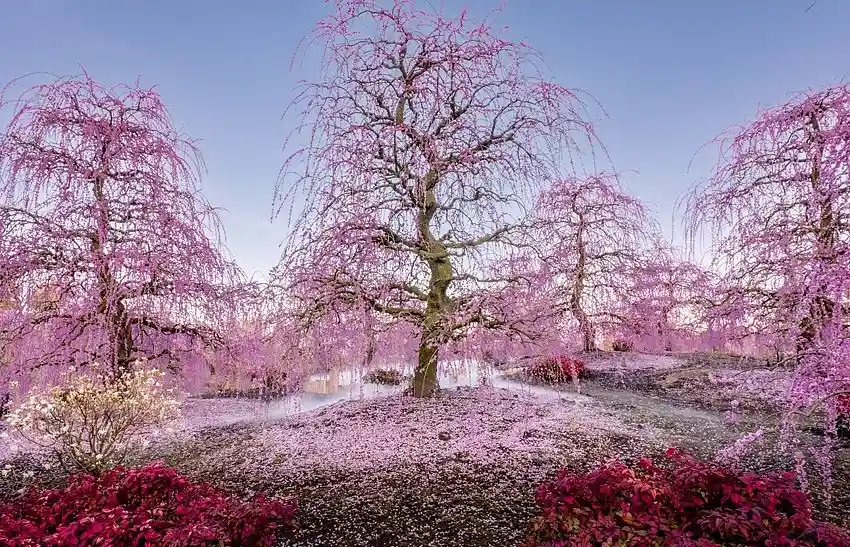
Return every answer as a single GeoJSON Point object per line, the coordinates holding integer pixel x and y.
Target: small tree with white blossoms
{"type": "Point", "coordinates": [94, 422]}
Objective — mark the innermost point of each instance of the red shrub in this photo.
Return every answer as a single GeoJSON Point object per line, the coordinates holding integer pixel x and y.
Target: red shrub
{"type": "Point", "coordinates": [690, 504]}
{"type": "Point", "coordinates": [554, 370]}
{"type": "Point", "coordinates": [842, 404]}
{"type": "Point", "coordinates": [144, 507]}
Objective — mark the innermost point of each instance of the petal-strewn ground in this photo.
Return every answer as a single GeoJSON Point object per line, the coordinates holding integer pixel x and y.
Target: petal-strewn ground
{"type": "Point", "coordinates": [462, 469]}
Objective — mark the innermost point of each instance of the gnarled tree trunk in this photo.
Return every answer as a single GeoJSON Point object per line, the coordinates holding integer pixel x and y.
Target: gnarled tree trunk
{"type": "Point", "coordinates": [821, 310]}
{"type": "Point", "coordinates": [585, 326]}
{"type": "Point", "coordinates": [425, 381]}
{"type": "Point", "coordinates": [111, 305]}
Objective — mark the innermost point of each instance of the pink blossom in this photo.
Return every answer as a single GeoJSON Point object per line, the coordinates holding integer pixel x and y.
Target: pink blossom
{"type": "Point", "coordinates": [109, 252]}
{"type": "Point", "coordinates": [428, 137]}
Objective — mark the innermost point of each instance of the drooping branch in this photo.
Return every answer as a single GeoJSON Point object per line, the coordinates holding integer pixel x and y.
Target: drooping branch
{"type": "Point", "coordinates": [428, 137]}
{"type": "Point", "coordinates": [778, 209]}
{"type": "Point", "coordinates": [106, 241]}
{"type": "Point", "coordinates": [597, 233]}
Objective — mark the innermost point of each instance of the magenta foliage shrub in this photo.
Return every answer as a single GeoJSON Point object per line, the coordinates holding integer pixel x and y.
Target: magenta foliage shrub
{"type": "Point", "coordinates": [556, 369]}
{"type": "Point", "coordinates": [149, 506]}
{"type": "Point", "coordinates": [689, 503]}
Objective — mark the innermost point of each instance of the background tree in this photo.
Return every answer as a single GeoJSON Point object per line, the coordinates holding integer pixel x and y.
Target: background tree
{"type": "Point", "coordinates": [100, 208]}
{"type": "Point", "coordinates": [664, 302]}
{"type": "Point", "coordinates": [597, 235]}
{"type": "Point", "coordinates": [779, 207]}
{"type": "Point", "coordinates": [428, 135]}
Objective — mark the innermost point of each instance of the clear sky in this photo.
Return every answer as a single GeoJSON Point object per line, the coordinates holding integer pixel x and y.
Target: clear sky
{"type": "Point", "coordinates": [670, 73]}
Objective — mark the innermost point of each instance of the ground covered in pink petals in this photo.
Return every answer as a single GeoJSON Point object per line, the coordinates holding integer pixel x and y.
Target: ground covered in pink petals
{"type": "Point", "coordinates": [483, 425]}
{"type": "Point", "coordinates": [704, 380]}
{"type": "Point", "coordinates": [393, 470]}
{"type": "Point", "coordinates": [462, 469]}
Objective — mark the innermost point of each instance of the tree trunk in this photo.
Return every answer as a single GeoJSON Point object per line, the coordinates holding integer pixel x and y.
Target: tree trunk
{"type": "Point", "coordinates": [821, 310]}
{"type": "Point", "coordinates": [122, 340]}
{"type": "Point", "coordinates": [438, 303]}
{"type": "Point", "coordinates": [425, 382]}
{"type": "Point", "coordinates": [120, 332]}
{"type": "Point", "coordinates": [588, 337]}
{"type": "Point", "coordinates": [664, 331]}
{"type": "Point", "coordinates": [587, 334]}
{"type": "Point", "coordinates": [370, 343]}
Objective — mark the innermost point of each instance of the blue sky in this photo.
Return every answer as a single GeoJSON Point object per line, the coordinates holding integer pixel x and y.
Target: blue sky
{"type": "Point", "coordinates": [671, 75]}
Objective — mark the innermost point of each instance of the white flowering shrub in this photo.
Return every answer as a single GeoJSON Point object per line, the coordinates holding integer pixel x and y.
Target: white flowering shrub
{"type": "Point", "coordinates": [94, 422]}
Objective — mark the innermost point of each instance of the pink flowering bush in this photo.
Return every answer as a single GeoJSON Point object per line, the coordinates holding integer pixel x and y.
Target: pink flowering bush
{"type": "Point", "coordinates": [150, 506]}
{"type": "Point", "coordinates": [690, 503]}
